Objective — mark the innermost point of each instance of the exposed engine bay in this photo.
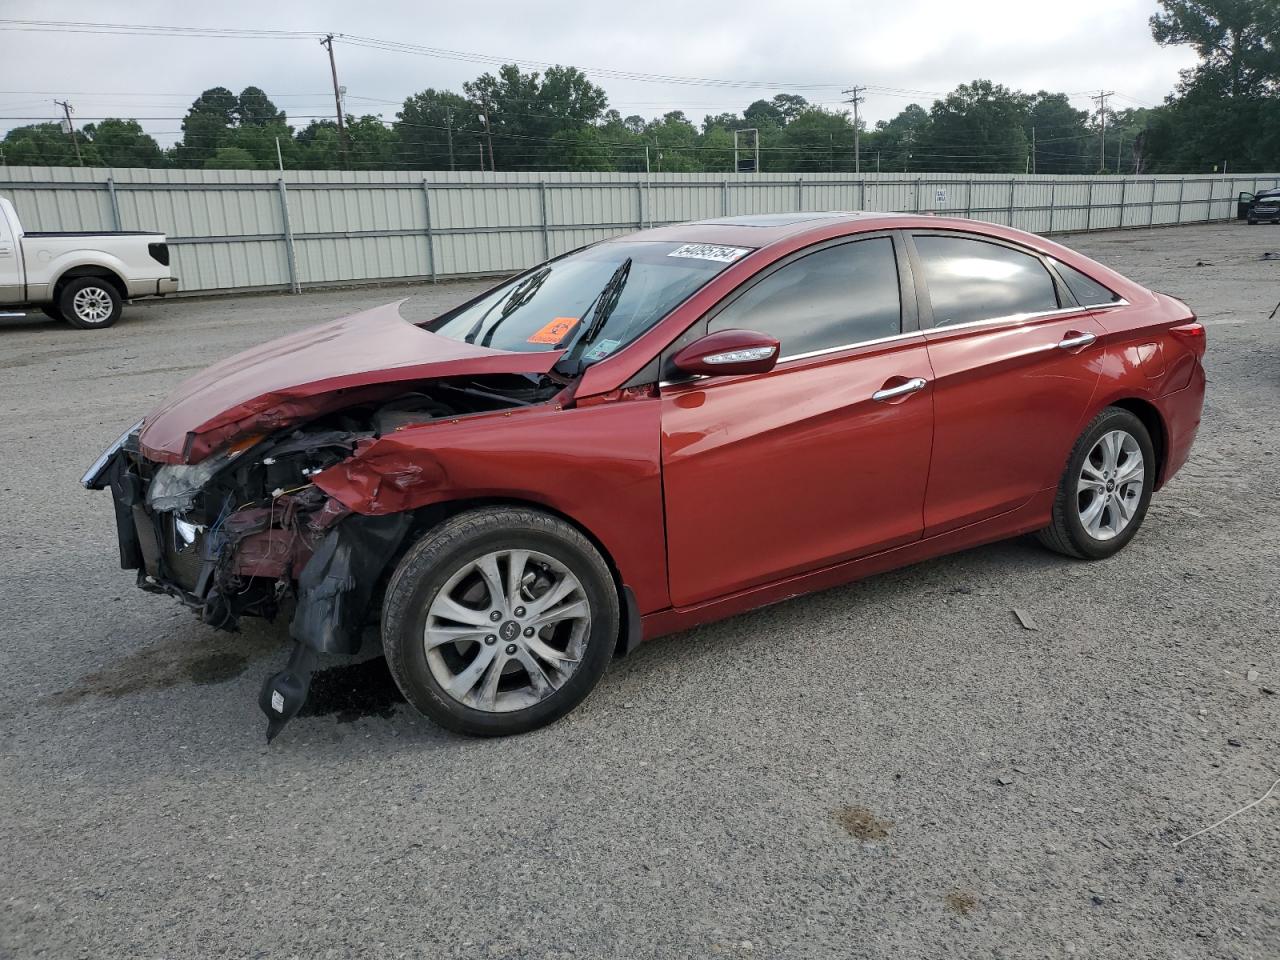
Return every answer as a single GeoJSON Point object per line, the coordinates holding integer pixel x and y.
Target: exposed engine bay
{"type": "Point", "coordinates": [245, 530]}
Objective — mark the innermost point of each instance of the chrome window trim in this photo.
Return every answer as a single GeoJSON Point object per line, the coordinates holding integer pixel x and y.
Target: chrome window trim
{"type": "Point", "coordinates": [849, 346]}
{"type": "Point", "coordinates": [1012, 319]}
{"type": "Point", "coordinates": [1020, 318]}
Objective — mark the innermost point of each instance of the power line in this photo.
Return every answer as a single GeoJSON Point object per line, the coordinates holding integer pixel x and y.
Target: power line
{"type": "Point", "coordinates": [393, 46]}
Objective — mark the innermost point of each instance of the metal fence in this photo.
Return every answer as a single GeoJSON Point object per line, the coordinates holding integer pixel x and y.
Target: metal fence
{"type": "Point", "coordinates": [248, 229]}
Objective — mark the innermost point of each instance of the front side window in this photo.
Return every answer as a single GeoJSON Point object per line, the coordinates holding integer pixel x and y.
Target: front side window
{"type": "Point", "coordinates": [590, 303]}
{"type": "Point", "coordinates": [1087, 291]}
{"type": "Point", "coordinates": [838, 296]}
{"type": "Point", "coordinates": [971, 280]}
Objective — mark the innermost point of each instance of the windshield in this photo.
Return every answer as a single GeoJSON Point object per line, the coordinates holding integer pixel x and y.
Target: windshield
{"type": "Point", "coordinates": [592, 302]}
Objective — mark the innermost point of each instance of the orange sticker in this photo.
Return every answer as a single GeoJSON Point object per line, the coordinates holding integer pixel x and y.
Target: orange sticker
{"type": "Point", "coordinates": [555, 331]}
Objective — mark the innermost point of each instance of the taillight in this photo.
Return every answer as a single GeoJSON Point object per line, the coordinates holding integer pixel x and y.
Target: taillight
{"type": "Point", "coordinates": [1192, 336]}
{"type": "Point", "coordinates": [159, 253]}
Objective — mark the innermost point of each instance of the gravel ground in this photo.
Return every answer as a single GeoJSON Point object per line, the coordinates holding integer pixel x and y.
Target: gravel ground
{"type": "Point", "coordinates": [892, 769]}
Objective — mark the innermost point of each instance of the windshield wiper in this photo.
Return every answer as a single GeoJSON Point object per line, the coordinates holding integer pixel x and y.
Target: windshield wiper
{"type": "Point", "coordinates": [606, 301]}
{"type": "Point", "coordinates": [522, 294]}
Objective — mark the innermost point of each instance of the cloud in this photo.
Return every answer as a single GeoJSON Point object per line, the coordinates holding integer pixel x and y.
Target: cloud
{"type": "Point", "coordinates": [909, 45]}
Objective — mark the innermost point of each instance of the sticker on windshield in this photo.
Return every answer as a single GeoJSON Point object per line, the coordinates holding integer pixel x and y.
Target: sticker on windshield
{"type": "Point", "coordinates": [709, 251]}
{"type": "Point", "coordinates": [601, 350]}
{"type": "Point", "coordinates": [555, 331]}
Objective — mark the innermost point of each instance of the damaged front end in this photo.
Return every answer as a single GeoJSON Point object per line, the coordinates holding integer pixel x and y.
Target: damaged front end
{"type": "Point", "coordinates": [245, 530]}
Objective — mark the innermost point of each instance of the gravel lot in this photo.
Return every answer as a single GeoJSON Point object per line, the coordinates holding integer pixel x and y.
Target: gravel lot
{"type": "Point", "coordinates": [892, 769]}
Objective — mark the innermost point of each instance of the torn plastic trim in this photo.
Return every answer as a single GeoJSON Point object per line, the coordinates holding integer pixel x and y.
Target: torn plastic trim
{"type": "Point", "coordinates": [334, 591]}
{"type": "Point", "coordinates": [337, 584]}
{"type": "Point", "coordinates": [96, 477]}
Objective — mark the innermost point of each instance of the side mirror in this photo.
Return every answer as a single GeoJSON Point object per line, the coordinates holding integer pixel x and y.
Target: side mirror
{"type": "Point", "coordinates": [728, 353]}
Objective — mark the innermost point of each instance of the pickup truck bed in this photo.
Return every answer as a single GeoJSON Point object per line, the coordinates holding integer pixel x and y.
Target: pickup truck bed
{"type": "Point", "coordinates": [81, 277]}
{"type": "Point", "coordinates": [87, 233]}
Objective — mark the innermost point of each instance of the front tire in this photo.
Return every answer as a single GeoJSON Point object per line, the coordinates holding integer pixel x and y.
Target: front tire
{"type": "Point", "coordinates": [499, 621]}
{"type": "Point", "coordinates": [90, 303]}
{"type": "Point", "coordinates": [1105, 491]}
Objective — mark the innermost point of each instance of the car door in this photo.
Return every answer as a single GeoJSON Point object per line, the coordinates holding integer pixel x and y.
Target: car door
{"type": "Point", "coordinates": [1015, 365]}
{"type": "Point", "coordinates": [822, 459]}
{"type": "Point", "coordinates": [11, 283]}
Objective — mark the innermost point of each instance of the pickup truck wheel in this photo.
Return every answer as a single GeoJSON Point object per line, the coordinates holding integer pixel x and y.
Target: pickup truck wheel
{"type": "Point", "coordinates": [90, 303]}
{"type": "Point", "coordinates": [500, 621]}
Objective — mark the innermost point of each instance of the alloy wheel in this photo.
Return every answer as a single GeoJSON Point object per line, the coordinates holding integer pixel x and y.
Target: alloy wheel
{"type": "Point", "coordinates": [92, 304]}
{"type": "Point", "coordinates": [507, 630]}
{"type": "Point", "coordinates": [1110, 485]}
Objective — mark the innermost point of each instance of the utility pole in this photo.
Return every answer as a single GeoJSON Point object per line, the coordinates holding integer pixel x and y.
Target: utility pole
{"type": "Point", "coordinates": [855, 98]}
{"type": "Point", "coordinates": [1033, 149]}
{"type": "Point", "coordinates": [646, 158]}
{"type": "Point", "coordinates": [488, 131]}
{"type": "Point", "coordinates": [448, 126]}
{"type": "Point", "coordinates": [71, 128]}
{"type": "Point", "coordinates": [1101, 98]}
{"type": "Point", "coordinates": [327, 43]}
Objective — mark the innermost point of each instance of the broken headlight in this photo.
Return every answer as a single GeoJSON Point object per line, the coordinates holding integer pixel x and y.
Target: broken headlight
{"type": "Point", "coordinates": [175, 485]}
{"type": "Point", "coordinates": [92, 479]}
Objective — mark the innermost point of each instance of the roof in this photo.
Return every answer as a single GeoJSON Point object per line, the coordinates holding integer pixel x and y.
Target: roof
{"type": "Point", "coordinates": [757, 229]}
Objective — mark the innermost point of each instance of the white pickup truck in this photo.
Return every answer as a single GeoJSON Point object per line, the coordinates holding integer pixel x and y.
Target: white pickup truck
{"type": "Point", "coordinates": [82, 278]}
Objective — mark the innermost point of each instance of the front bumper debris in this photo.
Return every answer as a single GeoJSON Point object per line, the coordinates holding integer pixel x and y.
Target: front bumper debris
{"type": "Point", "coordinates": [301, 544]}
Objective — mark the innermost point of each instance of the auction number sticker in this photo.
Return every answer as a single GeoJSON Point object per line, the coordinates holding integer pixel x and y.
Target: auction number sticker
{"type": "Point", "coordinates": [709, 251]}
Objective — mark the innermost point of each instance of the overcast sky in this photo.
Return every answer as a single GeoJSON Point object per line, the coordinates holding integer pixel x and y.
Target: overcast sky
{"type": "Point", "coordinates": [922, 46]}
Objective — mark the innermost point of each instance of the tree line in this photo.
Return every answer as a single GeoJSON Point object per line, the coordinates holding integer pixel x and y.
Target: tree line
{"type": "Point", "coordinates": [1224, 113]}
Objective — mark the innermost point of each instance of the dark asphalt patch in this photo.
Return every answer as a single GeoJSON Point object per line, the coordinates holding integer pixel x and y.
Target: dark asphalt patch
{"type": "Point", "coordinates": [169, 664]}
{"type": "Point", "coordinates": [352, 691]}
{"type": "Point", "coordinates": [217, 668]}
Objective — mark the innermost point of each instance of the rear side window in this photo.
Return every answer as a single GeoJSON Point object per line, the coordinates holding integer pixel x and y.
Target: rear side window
{"type": "Point", "coordinates": [972, 280]}
{"type": "Point", "coordinates": [836, 297]}
{"type": "Point", "coordinates": [1087, 291]}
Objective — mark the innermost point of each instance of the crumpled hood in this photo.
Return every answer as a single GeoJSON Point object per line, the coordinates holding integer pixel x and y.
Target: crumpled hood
{"type": "Point", "coordinates": [316, 371]}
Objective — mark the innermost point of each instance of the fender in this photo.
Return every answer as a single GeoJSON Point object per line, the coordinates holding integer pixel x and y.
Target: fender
{"type": "Point", "coordinates": [584, 463]}
{"type": "Point", "coordinates": [59, 266]}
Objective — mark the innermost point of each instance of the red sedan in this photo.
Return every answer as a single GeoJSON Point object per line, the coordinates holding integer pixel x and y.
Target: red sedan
{"type": "Point", "coordinates": [650, 433]}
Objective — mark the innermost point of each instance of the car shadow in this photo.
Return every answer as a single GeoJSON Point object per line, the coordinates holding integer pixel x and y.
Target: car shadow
{"type": "Point", "coordinates": [32, 321]}
{"type": "Point", "coordinates": [362, 691]}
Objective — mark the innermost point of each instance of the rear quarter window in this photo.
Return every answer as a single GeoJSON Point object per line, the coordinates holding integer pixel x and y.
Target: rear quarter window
{"type": "Point", "coordinates": [1087, 291]}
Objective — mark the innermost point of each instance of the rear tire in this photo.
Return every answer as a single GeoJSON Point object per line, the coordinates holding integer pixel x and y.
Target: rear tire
{"type": "Point", "coordinates": [90, 303]}
{"type": "Point", "coordinates": [1105, 490]}
{"type": "Point", "coordinates": [499, 621]}
{"type": "Point", "coordinates": [51, 311]}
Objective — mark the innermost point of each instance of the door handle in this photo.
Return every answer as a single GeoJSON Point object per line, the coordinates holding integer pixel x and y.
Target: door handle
{"type": "Point", "coordinates": [1079, 340]}
{"type": "Point", "coordinates": [911, 386]}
